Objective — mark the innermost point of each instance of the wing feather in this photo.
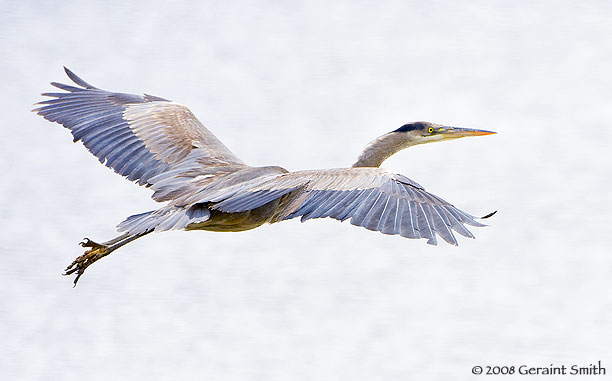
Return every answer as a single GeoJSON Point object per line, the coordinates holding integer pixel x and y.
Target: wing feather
{"type": "Point", "coordinates": [139, 137]}
{"type": "Point", "coordinates": [387, 219]}
{"type": "Point", "coordinates": [374, 216]}
{"type": "Point", "coordinates": [350, 209]}
{"type": "Point", "coordinates": [407, 220]}
{"type": "Point", "coordinates": [324, 207]}
{"type": "Point", "coordinates": [342, 203]}
{"type": "Point", "coordinates": [370, 197]}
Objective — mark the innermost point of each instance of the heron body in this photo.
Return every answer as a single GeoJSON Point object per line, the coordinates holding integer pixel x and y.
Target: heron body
{"type": "Point", "coordinates": [161, 145]}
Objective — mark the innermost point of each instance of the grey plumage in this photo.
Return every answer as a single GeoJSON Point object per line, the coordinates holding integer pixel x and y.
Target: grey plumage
{"type": "Point", "coordinates": [160, 144]}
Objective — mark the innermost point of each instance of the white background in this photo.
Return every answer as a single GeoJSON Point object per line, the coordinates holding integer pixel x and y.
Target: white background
{"type": "Point", "coordinates": [307, 85]}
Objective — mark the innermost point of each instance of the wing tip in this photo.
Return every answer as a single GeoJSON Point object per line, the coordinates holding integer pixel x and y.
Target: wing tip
{"type": "Point", "coordinates": [489, 215]}
{"type": "Point", "coordinates": [78, 80]}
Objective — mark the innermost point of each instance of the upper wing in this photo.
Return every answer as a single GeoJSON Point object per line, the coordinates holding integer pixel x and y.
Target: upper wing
{"type": "Point", "coordinates": [371, 197]}
{"type": "Point", "coordinates": [137, 136]}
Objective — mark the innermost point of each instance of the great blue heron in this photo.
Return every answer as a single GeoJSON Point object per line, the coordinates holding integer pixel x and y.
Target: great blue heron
{"type": "Point", "coordinates": [161, 145]}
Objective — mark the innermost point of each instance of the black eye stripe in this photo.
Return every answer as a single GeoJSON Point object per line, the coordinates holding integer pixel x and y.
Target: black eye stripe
{"type": "Point", "coordinates": [412, 127]}
{"type": "Point", "coordinates": [406, 128]}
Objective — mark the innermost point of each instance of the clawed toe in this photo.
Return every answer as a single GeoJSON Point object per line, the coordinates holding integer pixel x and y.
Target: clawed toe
{"type": "Point", "coordinates": [89, 243]}
{"type": "Point", "coordinates": [79, 265]}
{"type": "Point", "coordinates": [97, 251]}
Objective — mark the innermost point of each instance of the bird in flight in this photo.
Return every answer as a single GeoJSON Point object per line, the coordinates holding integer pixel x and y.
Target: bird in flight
{"type": "Point", "coordinates": [161, 145]}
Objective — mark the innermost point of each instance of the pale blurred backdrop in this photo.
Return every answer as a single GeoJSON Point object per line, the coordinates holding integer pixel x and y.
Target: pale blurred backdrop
{"type": "Point", "coordinates": [306, 85]}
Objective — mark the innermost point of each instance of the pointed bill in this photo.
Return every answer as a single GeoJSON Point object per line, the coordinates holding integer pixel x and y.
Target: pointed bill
{"type": "Point", "coordinates": [458, 132]}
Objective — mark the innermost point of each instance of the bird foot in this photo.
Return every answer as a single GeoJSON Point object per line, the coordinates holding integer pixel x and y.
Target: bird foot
{"type": "Point", "coordinates": [79, 265]}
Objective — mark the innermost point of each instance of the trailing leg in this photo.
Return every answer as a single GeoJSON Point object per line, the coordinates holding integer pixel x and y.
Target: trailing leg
{"type": "Point", "coordinates": [97, 251]}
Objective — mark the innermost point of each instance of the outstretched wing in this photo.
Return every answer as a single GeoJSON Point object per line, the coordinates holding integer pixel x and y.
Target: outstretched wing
{"type": "Point", "coordinates": [139, 137]}
{"type": "Point", "coordinates": [371, 197]}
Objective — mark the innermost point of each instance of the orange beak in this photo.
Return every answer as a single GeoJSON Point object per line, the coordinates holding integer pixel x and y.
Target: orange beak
{"type": "Point", "coordinates": [457, 132]}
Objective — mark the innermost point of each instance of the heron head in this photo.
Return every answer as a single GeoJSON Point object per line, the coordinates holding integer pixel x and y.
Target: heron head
{"type": "Point", "coordinates": [426, 132]}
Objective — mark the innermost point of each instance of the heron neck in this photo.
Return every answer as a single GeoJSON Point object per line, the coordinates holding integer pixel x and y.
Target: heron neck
{"type": "Point", "coordinates": [381, 148]}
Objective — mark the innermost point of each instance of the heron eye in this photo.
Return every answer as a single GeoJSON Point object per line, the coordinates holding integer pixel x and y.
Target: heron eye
{"type": "Point", "coordinates": [430, 130]}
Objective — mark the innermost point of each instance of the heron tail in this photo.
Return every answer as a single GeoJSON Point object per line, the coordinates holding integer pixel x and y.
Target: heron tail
{"type": "Point", "coordinates": [167, 218]}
